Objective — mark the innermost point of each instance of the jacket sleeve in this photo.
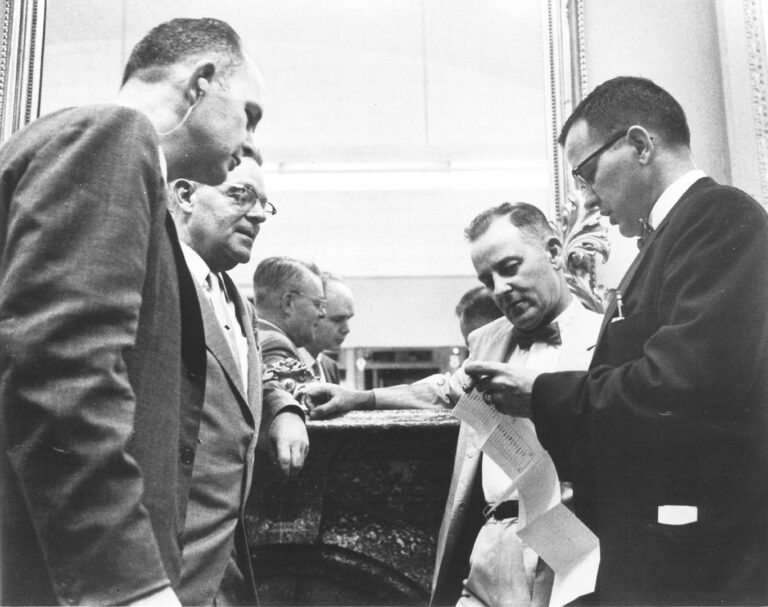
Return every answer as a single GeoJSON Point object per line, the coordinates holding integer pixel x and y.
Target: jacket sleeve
{"type": "Point", "coordinates": [73, 268]}
{"type": "Point", "coordinates": [690, 357]}
{"type": "Point", "coordinates": [275, 398]}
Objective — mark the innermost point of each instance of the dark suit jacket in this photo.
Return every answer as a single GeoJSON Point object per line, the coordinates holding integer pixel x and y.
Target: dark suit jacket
{"type": "Point", "coordinates": [674, 411]}
{"type": "Point", "coordinates": [96, 446]}
{"type": "Point", "coordinates": [330, 368]}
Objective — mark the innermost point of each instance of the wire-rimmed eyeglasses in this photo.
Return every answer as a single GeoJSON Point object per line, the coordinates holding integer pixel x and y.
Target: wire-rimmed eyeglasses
{"type": "Point", "coordinates": [318, 302]}
{"type": "Point", "coordinates": [245, 198]}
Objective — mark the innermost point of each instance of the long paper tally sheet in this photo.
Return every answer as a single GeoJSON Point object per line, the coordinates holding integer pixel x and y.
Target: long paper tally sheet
{"type": "Point", "coordinates": [545, 524]}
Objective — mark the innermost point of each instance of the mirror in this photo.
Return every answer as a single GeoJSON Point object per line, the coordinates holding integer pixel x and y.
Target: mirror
{"type": "Point", "coordinates": [388, 126]}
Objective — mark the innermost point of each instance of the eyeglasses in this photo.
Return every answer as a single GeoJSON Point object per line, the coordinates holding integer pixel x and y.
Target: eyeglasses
{"type": "Point", "coordinates": [584, 179]}
{"type": "Point", "coordinates": [245, 198]}
{"type": "Point", "coordinates": [318, 302]}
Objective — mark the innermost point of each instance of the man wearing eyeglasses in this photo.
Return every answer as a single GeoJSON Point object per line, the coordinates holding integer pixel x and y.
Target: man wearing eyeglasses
{"type": "Point", "coordinates": [99, 325]}
{"type": "Point", "coordinates": [217, 227]}
{"type": "Point", "coordinates": [665, 436]}
{"type": "Point", "coordinates": [289, 301]}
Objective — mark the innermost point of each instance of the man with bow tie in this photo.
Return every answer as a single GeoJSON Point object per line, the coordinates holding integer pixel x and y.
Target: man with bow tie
{"type": "Point", "coordinates": [518, 257]}
{"type": "Point", "coordinates": [665, 435]}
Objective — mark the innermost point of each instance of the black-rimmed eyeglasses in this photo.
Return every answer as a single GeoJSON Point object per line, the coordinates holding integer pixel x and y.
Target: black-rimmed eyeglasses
{"type": "Point", "coordinates": [587, 178]}
{"type": "Point", "coordinates": [318, 302]}
{"type": "Point", "coordinates": [245, 198]}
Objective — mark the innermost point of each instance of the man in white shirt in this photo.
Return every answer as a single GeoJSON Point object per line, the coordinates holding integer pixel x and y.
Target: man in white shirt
{"type": "Point", "coordinates": [665, 435]}
{"type": "Point", "coordinates": [217, 227]}
{"type": "Point", "coordinates": [519, 259]}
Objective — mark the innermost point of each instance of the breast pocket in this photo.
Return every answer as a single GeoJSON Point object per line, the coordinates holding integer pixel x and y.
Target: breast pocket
{"type": "Point", "coordinates": [624, 338]}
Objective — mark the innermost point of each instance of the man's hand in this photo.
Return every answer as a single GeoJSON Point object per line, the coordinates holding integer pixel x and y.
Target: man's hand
{"type": "Point", "coordinates": [506, 387]}
{"type": "Point", "coordinates": [328, 400]}
{"type": "Point", "coordinates": [288, 443]}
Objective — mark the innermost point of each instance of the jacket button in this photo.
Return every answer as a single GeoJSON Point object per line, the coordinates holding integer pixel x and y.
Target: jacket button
{"type": "Point", "coordinates": [192, 374]}
{"type": "Point", "coordinates": [187, 456]}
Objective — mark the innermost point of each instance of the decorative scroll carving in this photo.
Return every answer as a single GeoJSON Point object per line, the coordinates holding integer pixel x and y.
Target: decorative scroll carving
{"type": "Point", "coordinates": [581, 232]}
{"type": "Point", "coordinates": [584, 238]}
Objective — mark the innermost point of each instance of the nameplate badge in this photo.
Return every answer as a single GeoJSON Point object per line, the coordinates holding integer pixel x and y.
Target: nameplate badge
{"type": "Point", "coordinates": [678, 515]}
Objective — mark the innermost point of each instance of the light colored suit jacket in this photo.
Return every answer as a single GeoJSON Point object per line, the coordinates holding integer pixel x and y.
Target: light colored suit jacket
{"type": "Point", "coordinates": [223, 464]}
{"type": "Point", "coordinates": [492, 343]}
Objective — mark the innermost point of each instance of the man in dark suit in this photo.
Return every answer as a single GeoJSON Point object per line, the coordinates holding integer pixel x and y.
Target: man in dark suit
{"type": "Point", "coordinates": [331, 330]}
{"type": "Point", "coordinates": [217, 227]}
{"type": "Point", "coordinates": [98, 433]}
{"type": "Point", "coordinates": [666, 435]}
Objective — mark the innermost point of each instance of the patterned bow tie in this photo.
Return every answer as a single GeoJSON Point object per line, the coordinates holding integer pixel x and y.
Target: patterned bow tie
{"type": "Point", "coordinates": [646, 229]}
{"type": "Point", "coordinates": [548, 334]}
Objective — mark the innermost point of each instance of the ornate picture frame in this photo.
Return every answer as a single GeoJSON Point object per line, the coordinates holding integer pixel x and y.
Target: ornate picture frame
{"type": "Point", "coordinates": [21, 63]}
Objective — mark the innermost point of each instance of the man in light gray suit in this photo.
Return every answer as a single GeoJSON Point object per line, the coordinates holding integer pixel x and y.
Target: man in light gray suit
{"type": "Point", "coordinates": [519, 259]}
{"type": "Point", "coordinates": [217, 227]}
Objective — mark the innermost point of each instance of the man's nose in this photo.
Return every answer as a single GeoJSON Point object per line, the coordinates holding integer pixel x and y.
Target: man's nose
{"type": "Point", "coordinates": [500, 285]}
{"type": "Point", "coordinates": [586, 197]}
{"type": "Point", "coordinates": [256, 214]}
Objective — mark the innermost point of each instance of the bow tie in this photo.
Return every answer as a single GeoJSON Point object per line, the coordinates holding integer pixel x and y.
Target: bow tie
{"type": "Point", "coordinates": [646, 229]}
{"type": "Point", "coordinates": [549, 334]}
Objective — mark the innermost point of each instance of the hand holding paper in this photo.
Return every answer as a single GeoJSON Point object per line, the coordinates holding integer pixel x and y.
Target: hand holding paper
{"type": "Point", "coordinates": [507, 387]}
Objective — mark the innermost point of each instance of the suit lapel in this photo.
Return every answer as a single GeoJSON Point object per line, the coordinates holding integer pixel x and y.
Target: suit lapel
{"type": "Point", "coordinates": [628, 278]}
{"type": "Point", "coordinates": [216, 343]}
{"type": "Point", "coordinates": [245, 317]}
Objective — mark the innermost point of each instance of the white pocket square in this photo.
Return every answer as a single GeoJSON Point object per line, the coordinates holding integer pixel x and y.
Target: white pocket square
{"type": "Point", "coordinates": [678, 515]}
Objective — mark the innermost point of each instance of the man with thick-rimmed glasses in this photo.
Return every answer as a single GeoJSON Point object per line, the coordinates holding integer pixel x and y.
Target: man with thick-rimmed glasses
{"type": "Point", "coordinates": [217, 226]}
{"type": "Point", "coordinates": [665, 435]}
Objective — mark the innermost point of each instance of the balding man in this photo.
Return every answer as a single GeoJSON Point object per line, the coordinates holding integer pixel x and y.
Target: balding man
{"type": "Point", "coordinates": [331, 330]}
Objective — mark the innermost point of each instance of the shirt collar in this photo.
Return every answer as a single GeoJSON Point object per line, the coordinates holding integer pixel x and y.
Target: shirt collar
{"type": "Point", "coordinates": [670, 197]}
{"type": "Point", "coordinates": [197, 267]}
{"type": "Point", "coordinates": [566, 316]}
{"type": "Point", "coordinates": [163, 163]}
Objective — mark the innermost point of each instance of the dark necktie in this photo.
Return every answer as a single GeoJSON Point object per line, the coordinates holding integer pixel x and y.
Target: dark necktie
{"type": "Point", "coordinates": [549, 334]}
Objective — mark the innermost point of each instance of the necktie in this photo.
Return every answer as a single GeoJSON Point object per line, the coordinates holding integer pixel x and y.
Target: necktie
{"type": "Point", "coordinates": [646, 229]}
{"type": "Point", "coordinates": [217, 294]}
{"type": "Point", "coordinates": [549, 334]}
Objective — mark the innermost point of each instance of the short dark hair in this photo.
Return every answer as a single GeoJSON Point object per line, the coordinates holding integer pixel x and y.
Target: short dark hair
{"type": "Point", "coordinates": [179, 40]}
{"type": "Point", "coordinates": [622, 102]}
{"type": "Point", "coordinates": [478, 303]}
{"type": "Point", "coordinates": [522, 215]}
{"type": "Point", "coordinates": [276, 275]}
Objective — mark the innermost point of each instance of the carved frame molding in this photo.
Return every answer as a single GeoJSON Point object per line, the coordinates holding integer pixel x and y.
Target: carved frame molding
{"type": "Point", "coordinates": [758, 79]}
{"type": "Point", "coordinates": [584, 238]}
{"type": "Point", "coordinates": [21, 62]}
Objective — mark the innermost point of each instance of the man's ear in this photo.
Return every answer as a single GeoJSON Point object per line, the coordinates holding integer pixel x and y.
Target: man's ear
{"type": "Point", "coordinates": [286, 303]}
{"type": "Point", "coordinates": [642, 141]}
{"type": "Point", "coordinates": [182, 190]}
{"type": "Point", "coordinates": [555, 251]}
{"type": "Point", "coordinates": [200, 79]}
